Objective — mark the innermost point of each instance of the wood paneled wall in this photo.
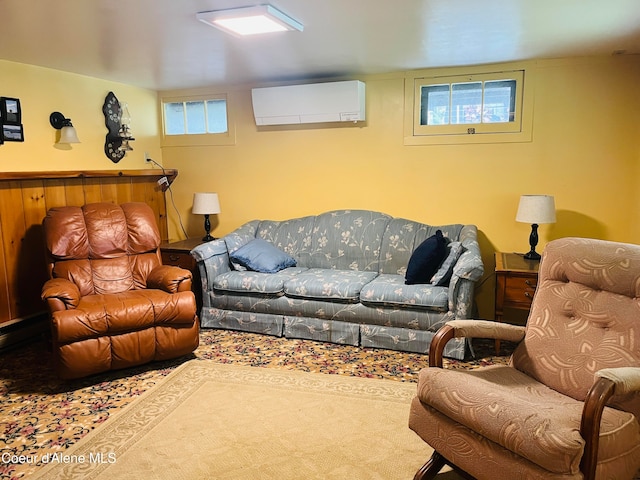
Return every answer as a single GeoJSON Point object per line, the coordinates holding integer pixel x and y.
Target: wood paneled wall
{"type": "Point", "coordinates": [24, 201]}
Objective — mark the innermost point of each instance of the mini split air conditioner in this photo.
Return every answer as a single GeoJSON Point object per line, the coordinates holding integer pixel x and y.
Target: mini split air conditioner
{"type": "Point", "coordinates": [312, 103]}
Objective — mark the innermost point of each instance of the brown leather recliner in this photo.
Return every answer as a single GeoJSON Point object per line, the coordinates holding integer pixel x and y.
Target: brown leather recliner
{"type": "Point", "coordinates": [112, 302]}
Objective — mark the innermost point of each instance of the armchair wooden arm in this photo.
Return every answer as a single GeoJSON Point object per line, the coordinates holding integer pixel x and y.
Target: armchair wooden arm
{"type": "Point", "coordinates": [471, 329]}
{"type": "Point", "coordinates": [439, 340]}
{"type": "Point", "coordinates": [609, 381]}
{"type": "Point", "coordinates": [602, 390]}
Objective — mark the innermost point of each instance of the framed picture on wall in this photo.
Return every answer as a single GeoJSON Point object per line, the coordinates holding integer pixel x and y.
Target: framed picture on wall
{"type": "Point", "coordinates": [10, 111]}
{"type": "Point", "coordinates": [12, 133]}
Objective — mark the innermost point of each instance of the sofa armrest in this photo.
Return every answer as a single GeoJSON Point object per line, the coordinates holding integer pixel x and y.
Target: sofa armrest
{"type": "Point", "coordinates": [212, 259]}
{"type": "Point", "coordinates": [60, 294]}
{"type": "Point", "coordinates": [467, 271]}
{"type": "Point", "coordinates": [470, 329]}
{"type": "Point", "coordinates": [469, 266]}
{"type": "Point", "coordinates": [170, 278]}
{"type": "Point", "coordinates": [207, 250]}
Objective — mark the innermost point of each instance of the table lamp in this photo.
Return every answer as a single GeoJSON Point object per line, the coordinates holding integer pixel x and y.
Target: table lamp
{"type": "Point", "coordinates": [535, 209]}
{"type": "Point", "coordinates": [206, 204]}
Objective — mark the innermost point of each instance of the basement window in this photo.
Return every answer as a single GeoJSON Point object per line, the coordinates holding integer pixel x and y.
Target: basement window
{"type": "Point", "coordinates": [474, 108]}
{"type": "Point", "coordinates": [196, 121]}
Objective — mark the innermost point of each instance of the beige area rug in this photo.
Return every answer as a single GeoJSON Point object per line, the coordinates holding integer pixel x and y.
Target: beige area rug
{"type": "Point", "coordinates": [214, 421]}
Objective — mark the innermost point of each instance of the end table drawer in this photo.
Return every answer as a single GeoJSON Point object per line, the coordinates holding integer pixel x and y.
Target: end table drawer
{"type": "Point", "coordinates": [519, 290]}
{"type": "Point", "coordinates": [516, 282]}
{"type": "Point", "coordinates": [178, 259]}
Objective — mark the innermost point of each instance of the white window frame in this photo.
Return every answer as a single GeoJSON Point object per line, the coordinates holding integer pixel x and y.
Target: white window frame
{"type": "Point", "coordinates": [197, 139]}
{"type": "Point", "coordinates": [519, 130]}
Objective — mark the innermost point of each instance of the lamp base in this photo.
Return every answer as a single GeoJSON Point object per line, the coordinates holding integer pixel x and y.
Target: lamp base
{"type": "Point", "coordinates": [533, 241]}
{"type": "Point", "coordinates": [207, 229]}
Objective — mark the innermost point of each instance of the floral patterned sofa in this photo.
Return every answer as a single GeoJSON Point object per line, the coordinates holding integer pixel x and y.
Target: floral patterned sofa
{"type": "Point", "coordinates": [347, 285]}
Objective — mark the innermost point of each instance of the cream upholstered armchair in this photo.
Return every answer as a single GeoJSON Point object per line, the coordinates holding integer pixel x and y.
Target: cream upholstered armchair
{"type": "Point", "coordinates": [568, 404]}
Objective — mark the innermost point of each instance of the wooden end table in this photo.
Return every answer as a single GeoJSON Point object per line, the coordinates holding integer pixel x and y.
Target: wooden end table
{"type": "Point", "coordinates": [516, 281]}
{"type": "Point", "coordinates": [177, 253]}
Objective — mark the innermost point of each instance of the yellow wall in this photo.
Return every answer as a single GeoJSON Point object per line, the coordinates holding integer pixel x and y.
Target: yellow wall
{"type": "Point", "coordinates": [585, 151]}
{"type": "Point", "coordinates": [80, 98]}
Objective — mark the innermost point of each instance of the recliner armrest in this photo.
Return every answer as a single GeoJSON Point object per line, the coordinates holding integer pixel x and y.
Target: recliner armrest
{"type": "Point", "coordinates": [170, 278]}
{"type": "Point", "coordinates": [60, 294]}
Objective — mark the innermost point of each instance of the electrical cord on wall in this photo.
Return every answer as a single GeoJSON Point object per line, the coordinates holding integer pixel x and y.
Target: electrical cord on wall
{"type": "Point", "coordinates": [151, 160]}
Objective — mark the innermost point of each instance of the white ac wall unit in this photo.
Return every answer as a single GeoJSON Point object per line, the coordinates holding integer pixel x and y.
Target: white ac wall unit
{"type": "Point", "coordinates": [311, 103]}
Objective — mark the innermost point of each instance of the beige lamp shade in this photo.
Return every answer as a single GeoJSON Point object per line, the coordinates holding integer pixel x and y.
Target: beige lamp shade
{"type": "Point", "coordinates": [536, 209]}
{"type": "Point", "coordinates": [205, 203]}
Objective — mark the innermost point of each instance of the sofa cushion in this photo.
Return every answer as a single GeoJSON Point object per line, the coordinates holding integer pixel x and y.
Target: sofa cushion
{"type": "Point", "coordinates": [347, 240]}
{"type": "Point", "coordinates": [260, 256]}
{"type": "Point", "coordinates": [328, 284]}
{"type": "Point", "coordinates": [445, 271]}
{"type": "Point", "coordinates": [255, 282]}
{"type": "Point", "coordinates": [291, 236]}
{"type": "Point", "coordinates": [389, 289]}
{"type": "Point", "coordinates": [401, 238]}
{"type": "Point", "coordinates": [426, 259]}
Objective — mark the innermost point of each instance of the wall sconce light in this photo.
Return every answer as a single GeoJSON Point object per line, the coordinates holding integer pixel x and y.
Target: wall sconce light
{"type": "Point", "coordinates": [535, 209]}
{"type": "Point", "coordinates": [206, 204]}
{"type": "Point", "coordinates": [117, 120]}
{"type": "Point", "coordinates": [68, 132]}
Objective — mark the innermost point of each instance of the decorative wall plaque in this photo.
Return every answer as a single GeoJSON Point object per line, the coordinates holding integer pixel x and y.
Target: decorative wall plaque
{"type": "Point", "coordinates": [113, 121]}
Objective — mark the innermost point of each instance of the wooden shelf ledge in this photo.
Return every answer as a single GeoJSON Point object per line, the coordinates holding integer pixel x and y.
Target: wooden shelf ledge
{"type": "Point", "coordinates": [171, 174]}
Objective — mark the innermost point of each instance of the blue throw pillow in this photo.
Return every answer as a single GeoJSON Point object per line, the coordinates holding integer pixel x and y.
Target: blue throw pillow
{"type": "Point", "coordinates": [235, 241]}
{"type": "Point", "coordinates": [426, 259]}
{"type": "Point", "coordinates": [261, 256]}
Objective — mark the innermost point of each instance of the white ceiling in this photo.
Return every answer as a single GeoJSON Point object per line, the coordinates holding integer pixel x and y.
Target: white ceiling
{"type": "Point", "coordinates": [159, 44]}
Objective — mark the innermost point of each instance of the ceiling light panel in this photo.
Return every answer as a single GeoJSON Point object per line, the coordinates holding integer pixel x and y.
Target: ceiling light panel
{"type": "Point", "coordinates": [250, 20]}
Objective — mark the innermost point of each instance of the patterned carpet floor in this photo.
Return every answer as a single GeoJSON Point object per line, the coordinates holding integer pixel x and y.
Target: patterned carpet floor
{"type": "Point", "coordinates": [39, 412]}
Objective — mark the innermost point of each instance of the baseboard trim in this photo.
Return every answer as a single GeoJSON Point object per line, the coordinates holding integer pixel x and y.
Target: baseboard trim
{"type": "Point", "coordinates": [25, 331]}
